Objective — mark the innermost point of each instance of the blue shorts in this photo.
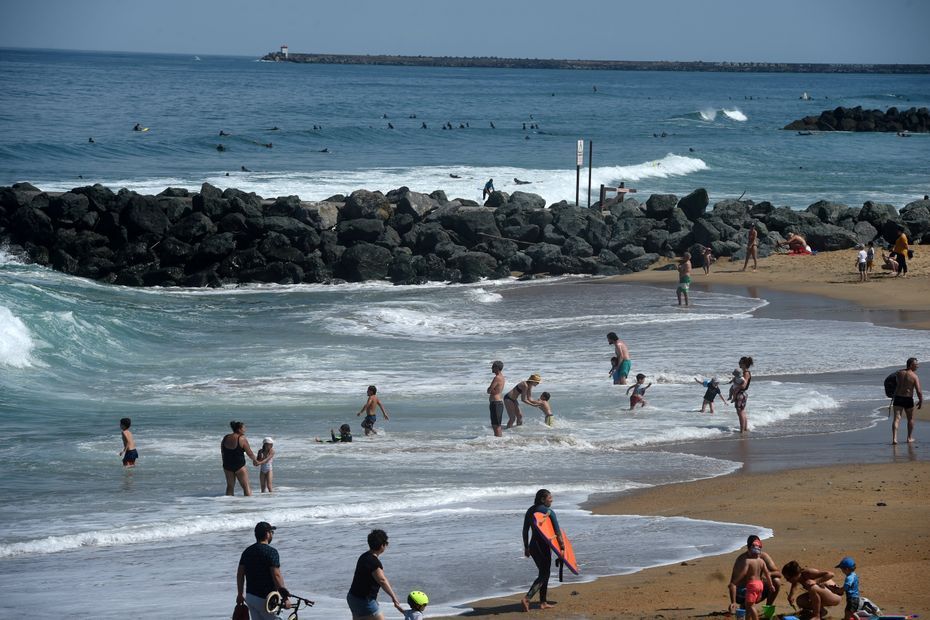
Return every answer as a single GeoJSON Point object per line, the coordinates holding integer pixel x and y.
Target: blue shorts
{"type": "Point", "coordinates": [361, 607]}
{"type": "Point", "coordinates": [129, 457]}
{"type": "Point", "coordinates": [369, 422]}
{"type": "Point", "coordinates": [623, 371]}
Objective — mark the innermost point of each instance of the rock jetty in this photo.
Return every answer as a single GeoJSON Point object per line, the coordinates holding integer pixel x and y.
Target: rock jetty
{"type": "Point", "coordinates": [915, 120]}
{"type": "Point", "coordinates": [221, 237]}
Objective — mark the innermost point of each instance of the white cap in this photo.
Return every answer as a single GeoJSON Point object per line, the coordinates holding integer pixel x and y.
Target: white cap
{"type": "Point", "coordinates": [268, 440]}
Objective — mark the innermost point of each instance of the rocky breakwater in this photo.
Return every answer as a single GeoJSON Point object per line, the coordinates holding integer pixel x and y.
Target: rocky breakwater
{"type": "Point", "coordinates": [215, 238]}
{"type": "Point", "coordinates": [915, 120]}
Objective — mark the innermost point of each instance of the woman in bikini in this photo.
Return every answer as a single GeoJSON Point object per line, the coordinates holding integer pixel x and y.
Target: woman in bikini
{"type": "Point", "coordinates": [740, 396]}
{"type": "Point", "coordinates": [234, 446]}
{"type": "Point", "coordinates": [817, 584]}
{"type": "Point", "coordinates": [523, 391]}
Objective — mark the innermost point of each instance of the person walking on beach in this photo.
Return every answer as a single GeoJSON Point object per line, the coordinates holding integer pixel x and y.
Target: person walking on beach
{"type": "Point", "coordinates": [495, 397]}
{"type": "Point", "coordinates": [903, 401]}
{"type": "Point", "coordinates": [129, 453]}
{"type": "Point", "coordinates": [259, 573]}
{"type": "Point", "coordinates": [684, 277]}
{"type": "Point", "coordinates": [900, 251]}
{"type": "Point", "coordinates": [538, 548]}
{"type": "Point", "coordinates": [233, 448]}
{"type": "Point", "coordinates": [623, 354]}
{"type": "Point", "coordinates": [368, 579]}
{"type": "Point", "coordinates": [753, 575]}
{"type": "Point", "coordinates": [369, 410]}
{"type": "Point", "coordinates": [740, 395]}
{"type": "Point", "coordinates": [770, 590]}
{"type": "Point", "coordinates": [708, 259]}
{"type": "Point", "coordinates": [523, 391]}
{"type": "Point", "coordinates": [752, 244]}
{"type": "Point", "coordinates": [817, 583]}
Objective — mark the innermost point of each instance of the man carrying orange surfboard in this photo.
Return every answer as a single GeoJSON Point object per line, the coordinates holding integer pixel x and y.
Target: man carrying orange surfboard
{"type": "Point", "coordinates": [538, 547]}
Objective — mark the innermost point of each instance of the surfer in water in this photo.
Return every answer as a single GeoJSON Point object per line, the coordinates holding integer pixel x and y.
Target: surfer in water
{"type": "Point", "coordinates": [538, 548]}
{"type": "Point", "coordinates": [519, 182]}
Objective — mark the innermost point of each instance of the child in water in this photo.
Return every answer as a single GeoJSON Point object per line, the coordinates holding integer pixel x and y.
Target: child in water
{"type": "Point", "coordinates": [344, 436]}
{"type": "Point", "coordinates": [263, 459]}
{"type": "Point", "coordinates": [713, 391]}
{"type": "Point", "coordinates": [128, 452]}
{"type": "Point", "coordinates": [614, 366]}
{"type": "Point", "coordinates": [369, 410]}
{"type": "Point", "coordinates": [638, 390]}
{"type": "Point", "coordinates": [543, 405]}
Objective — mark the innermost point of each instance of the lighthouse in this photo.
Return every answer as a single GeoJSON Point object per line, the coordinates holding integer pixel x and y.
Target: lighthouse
{"type": "Point", "coordinates": [284, 51]}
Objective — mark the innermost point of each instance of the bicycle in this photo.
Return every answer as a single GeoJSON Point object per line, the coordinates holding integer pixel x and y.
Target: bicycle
{"type": "Point", "coordinates": [275, 603]}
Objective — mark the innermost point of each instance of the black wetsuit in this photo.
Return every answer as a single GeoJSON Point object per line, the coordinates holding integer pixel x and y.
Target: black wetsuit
{"type": "Point", "coordinates": [540, 551]}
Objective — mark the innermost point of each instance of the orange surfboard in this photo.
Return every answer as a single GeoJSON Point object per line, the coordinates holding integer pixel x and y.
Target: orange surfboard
{"type": "Point", "coordinates": [543, 525]}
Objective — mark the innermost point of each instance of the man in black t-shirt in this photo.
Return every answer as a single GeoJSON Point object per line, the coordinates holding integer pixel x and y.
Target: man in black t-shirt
{"type": "Point", "coordinates": [260, 572]}
{"type": "Point", "coordinates": [369, 578]}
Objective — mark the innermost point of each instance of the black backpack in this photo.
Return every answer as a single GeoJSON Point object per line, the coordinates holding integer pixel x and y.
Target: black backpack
{"type": "Point", "coordinates": [891, 384]}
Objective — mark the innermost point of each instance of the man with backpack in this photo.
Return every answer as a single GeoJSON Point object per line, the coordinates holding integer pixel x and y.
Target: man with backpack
{"type": "Point", "coordinates": [906, 383]}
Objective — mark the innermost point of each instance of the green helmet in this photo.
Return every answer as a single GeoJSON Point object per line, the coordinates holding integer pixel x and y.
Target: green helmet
{"type": "Point", "coordinates": [417, 598]}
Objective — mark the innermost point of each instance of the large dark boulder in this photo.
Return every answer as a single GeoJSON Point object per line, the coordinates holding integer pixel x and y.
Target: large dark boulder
{"type": "Point", "coordinates": [831, 237]}
{"type": "Point", "coordinates": [656, 241]}
{"type": "Point", "coordinates": [643, 262]}
{"type": "Point", "coordinates": [570, 221]}
{"type": "Point", "coordinates": [194, 227]}
{"type": "Point", "coordinates": [68, 209]}
{"type": "Point", "coordinates": [732, 212]}
{"type": "Point", "coordinates": [783, 219]}
{"type": "Point", "coordinates": [694, 204]}
{"type": "Point", "coordinates": [416, 205]}
{"type": "Point", "coordinates": [500, 249]}
{"type": "Point", "coordinates": [321, 215]}
{"type": "Point", "coordinates": [423, 238]}
{"type": "Point", "coordinates": [525, 201]}
{"type": "Point", "coordinates": [475, 265]}
{"type": "Point", "coordinates": [577, 247]}
{"type": "Point", "coordinates": [100, 198]}
{"type": "Point", "coordinates": [174, 208]}
{"type": "Point", "coordinates": [275, 247]}
{"type": "Point", "coordinates": [527, 233]}
{"type": "Point", "coordinates": [285, 206]}
{"type": "Point", "coordinates": [239, 262]}
{"type": "Point", "coordinates": [827, 212]}
{"type": "Point", "coordinates": [31, 224]}
{"type": "Point", "coordinates": [626, 209]}
{"type": "Point", "coordinates": [916, 216]}
{"type": "Point", "coordinates": [705, 232]}
{"type": "Point", "coordinates": [472, 224]}
{"type": "Point", "coordinates": [659, 206]}
{"type": "Point", "coordinates": [144, 215]}
{"type": "Point", "coordinates": [680, 241]}
{"type": "Point", "coordinates": [289, 227]}
{"type": "Point", "coordinates": [389, 239]}
{"type": "Point", "coordinates": [865, 232]}
{"type": "Point", "coordinates": [876, 213]}
{"type": "Point", "coordinates": [368, 205]}
{"type": "Point", "coordinates": [353, 231]}
{"type": "Point", "coordinates": [364, 261]}
{"type": "Point", "coordinates": [495, 200]}
{"type": "Point", "coordinates": [552, 235]}
{"type": "Point", "coordinates": [678, 221]}
{"type": "Point", "coordinates": [173, 251]}
{"type": "Point", "coordinates": [213, 249]}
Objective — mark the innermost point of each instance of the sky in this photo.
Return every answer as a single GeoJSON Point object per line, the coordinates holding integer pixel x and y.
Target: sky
{"type": "Point", "coordinates": [836, 31]}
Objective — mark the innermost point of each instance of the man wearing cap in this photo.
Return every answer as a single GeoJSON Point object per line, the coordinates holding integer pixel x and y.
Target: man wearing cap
{"type": "Point", "coordinates": [770, 588]}
{"type": "Point", "coordinates": [260, 572]}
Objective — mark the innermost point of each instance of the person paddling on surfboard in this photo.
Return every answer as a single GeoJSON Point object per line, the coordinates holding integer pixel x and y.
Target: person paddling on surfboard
{"type": "Point", "coordinates": [538, 548]}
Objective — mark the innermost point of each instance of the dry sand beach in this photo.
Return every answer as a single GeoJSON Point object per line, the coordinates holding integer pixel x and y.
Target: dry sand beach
{"type": "Point", "coordinates": [824, 497]}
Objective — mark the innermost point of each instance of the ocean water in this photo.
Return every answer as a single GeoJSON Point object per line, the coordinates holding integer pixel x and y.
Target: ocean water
{"type": "Point", "coordinates": [722, 129]}
{"type": "Point", "coordinates": [86, 537]}
{"type": "Point", "coordinates": [294, 361]}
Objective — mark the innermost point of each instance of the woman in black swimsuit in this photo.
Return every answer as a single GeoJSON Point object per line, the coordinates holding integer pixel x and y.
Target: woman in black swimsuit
{"type": "Point", "coordinates": [234, 447]}
{"type": "Point", "coordinates": [523, 391]}
{"type": "Point", "coordinates": [740, 398]}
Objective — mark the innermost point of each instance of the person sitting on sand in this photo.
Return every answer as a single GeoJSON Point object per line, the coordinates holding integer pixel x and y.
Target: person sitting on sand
{"type": "Point", "coordinates": [889, 263]}
{"type": "Point", "coordinates": [796, 243]}
{"type": "Point", "coordinates": [817, 583]}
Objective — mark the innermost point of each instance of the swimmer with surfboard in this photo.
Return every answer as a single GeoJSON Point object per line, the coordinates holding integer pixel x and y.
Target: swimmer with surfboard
{"type": "Point", "coordinates": [547, 537]}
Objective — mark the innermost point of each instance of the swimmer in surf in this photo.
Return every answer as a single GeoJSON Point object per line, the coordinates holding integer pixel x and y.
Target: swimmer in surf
{"type": "Point", "coordinates": [495, 400]}
{"type": "Point", "coordinates": [369, 410]}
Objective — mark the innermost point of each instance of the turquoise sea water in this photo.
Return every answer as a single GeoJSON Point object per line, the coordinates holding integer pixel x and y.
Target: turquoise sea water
{"type": "Point", "coordinates": [52, 102]}
{"type": "Point", "coordinates": [294, 361]}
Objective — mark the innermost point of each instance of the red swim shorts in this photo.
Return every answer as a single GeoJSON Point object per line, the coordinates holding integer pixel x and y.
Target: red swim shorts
{"type": "Point", "coordinates": [753, 591]}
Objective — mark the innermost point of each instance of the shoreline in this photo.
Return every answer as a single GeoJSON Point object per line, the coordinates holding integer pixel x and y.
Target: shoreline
{"type": "Point", "coordinates": [821, 509]}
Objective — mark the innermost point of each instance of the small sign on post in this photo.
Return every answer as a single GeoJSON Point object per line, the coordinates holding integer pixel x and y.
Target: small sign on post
{"type": "Point", "coordinates": [579, 160]}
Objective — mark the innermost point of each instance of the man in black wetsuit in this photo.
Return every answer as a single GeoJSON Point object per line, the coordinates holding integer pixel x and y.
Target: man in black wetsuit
{"type": "Point", "coordinates": [259, 573]}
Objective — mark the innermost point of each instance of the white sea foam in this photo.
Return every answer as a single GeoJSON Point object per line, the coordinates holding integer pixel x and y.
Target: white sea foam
{"type": "Point", "coordinates": [16, 343]}
{"type": "Point", "coordinates": [735, 115]}
{"type": "Point", "coordinates": [485, 297]}
{"type": "Point", "coordinates": [708, 114]}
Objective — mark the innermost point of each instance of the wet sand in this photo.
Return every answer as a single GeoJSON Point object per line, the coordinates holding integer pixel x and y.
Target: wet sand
{"type": "Point", "coordinates": [823, 496]}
